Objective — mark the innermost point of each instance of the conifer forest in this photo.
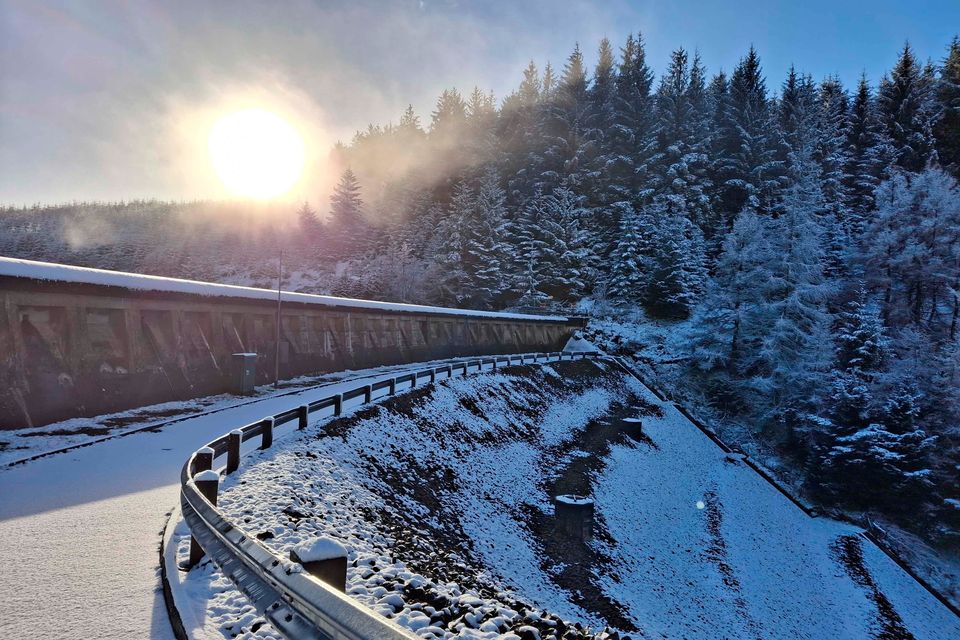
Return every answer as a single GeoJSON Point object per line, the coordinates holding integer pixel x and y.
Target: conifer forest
{"type": "Point", "coordinates": [794, 242]}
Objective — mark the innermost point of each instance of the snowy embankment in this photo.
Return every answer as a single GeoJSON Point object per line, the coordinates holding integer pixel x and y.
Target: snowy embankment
{"type": "Point", "coordinates": [84, 525]}
{"type": "Point", "coordinates": [657, 349]}
{"type": "Point", "coordinates": [443, 497]}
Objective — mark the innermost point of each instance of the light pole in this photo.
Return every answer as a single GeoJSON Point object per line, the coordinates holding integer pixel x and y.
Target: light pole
{"type": "Point", "coordinates": [276, 355]}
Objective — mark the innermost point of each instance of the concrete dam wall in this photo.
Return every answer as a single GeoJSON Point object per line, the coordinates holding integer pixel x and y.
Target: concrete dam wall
{"type": "Point", "coordinates": [81, 342]}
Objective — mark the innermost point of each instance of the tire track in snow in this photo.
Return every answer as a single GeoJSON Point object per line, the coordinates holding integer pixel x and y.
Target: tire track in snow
{"type": "Point", "coordinates": [717, 554]}
{"type": "Point", "coordinates": [849, 554]}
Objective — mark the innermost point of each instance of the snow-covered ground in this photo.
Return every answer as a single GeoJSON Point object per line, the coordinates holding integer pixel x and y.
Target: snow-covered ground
{"type": "Point", "coordinates": [656, 349]}
{"type": "Point", "coordinates": [443, 497]}
{"type": "Point", "coordinates": [79, 531]}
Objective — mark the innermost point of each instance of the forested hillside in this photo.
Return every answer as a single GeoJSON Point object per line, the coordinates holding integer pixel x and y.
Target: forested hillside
{"type": "Point", "coordinates": [803, 235]}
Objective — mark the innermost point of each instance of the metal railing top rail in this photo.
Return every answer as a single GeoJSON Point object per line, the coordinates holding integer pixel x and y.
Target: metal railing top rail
{"type": "Point", "coordinates": [296, 603]}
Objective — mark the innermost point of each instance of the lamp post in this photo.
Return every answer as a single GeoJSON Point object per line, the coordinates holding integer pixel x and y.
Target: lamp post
{"type": "Point", "coordinates": [276, 354]}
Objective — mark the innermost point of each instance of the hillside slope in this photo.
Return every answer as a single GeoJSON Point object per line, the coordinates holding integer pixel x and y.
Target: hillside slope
{"type": "Point", "coordinates": [443, 496]}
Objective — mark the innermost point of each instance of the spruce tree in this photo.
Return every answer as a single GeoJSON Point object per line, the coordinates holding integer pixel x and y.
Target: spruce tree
{"type": "Point", "coordinates": [569, 264]}
{"type": "Point", "coordinates": [451, 247]}
{"type": "Point", "coordinates": [747, 170]}
{"type": "Point", "coordinates": [909, 111]}
{"type": "Point", "coordinates": [623, 161]}
{"type": "Point", "coordinates": [868, 154]}
{"type": "Point", "coordinates": [349, 229]}
{"type": "Point", "coordinates": [566, 157]}
{"type": "Point", "coordinates": [677, 270]}
{"type": "Point", "coordinates": [683, 162]}
{"type": "Point", "coordinates": [796, 298]}
{"type": "Point", "coordinates": [728, 329]}
{"type": "Point", "coordinates": [310, 224]}
{"type": "Point", "coordinates": [600, 121]}
{"type": "Point", "coordinates": [485, 256]}
{"type": "Point", "coordinates": [631, 141]}
{"type": "Point", "coordinates": [947, 129]}
{"type": "Point", "coordinates": [870, 453]}
{"type": "Point", "coordinates": [627, 275]}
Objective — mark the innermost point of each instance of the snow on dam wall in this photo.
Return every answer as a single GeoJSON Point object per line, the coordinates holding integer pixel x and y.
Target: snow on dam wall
{"type": "Point", "coordinates": [80, 342]}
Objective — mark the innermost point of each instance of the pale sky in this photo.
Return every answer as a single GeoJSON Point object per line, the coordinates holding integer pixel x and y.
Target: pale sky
{"type": "Point", "coordinates": [114, 99]}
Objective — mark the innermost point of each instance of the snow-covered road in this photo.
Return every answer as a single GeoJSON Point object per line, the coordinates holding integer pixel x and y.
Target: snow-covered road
{"type": "Point", "coordinates": [79, 531]}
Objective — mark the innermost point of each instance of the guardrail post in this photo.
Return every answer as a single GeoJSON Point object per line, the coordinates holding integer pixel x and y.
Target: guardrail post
{"type": "Point", "coordinates": [367, 393]}
{"type": "Point", "coordinates": [574, 516]}
{"type": "Point", "coordinates": [449, 370]}
{"type": "Point", "coordinates": [324, 559]}
{"type": "Point", "coordinates": [233, 450]}
{"type": "Point", "coordinates": [413, 380]}
{"type": "Point", "coordinates": [208, 483]}
{"type": "Point", "coordinates": [203, 460]}
{"type": "Point", "coordinates": [267, 440]}
{"type": "Point", "coordinates": [303, 412]}
{"type": "Point", "coordinates": [392, 389]}
{"type": "Point", "coordinates": [433, 376]}
{"type": "Point", "coordinates": [338, 404]}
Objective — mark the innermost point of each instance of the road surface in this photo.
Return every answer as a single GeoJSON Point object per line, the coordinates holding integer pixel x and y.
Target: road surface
{"type": "Point", "coordinates": [80, 531]}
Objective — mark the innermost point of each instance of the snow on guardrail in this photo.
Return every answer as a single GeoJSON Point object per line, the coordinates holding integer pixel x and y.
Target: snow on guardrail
{"type": "Point", "coordinates": [294, 602]}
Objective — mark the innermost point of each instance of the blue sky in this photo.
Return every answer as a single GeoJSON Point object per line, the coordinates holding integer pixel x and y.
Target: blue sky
{"type": "Point", "coordinates": [112, 99]}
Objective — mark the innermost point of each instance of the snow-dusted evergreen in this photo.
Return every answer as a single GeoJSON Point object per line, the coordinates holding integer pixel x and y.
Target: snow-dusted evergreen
{"type": "Point", "coordinates": [807, 232]}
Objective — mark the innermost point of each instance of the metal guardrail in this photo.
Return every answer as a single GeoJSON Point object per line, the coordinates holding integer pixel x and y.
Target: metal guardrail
{"type": "Point", "coordinates": [296, 603]}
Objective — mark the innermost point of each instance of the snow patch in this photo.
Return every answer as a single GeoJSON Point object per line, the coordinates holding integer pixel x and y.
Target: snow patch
{"type": "Point", "coordinates": [320, 549]}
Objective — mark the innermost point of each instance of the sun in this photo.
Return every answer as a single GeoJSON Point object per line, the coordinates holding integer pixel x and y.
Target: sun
{"type": "Point", "coordinates": [257, 154]}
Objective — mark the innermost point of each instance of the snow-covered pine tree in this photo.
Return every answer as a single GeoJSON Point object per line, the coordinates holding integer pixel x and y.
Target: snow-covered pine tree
{"type": "Point", "coordinates": [677, 271]}
{"type": "Point", "coordinates": [682, 137]}
{"type": "Point", "coordinates": [796, 115]}
{"type": "Point", "coordinates": [746, 170]}
{"type": "Point", "coordinates": [831, 155]}
{"type": "Point", "coordinates": [309, 221]}
{"type": "Point", "coordinates": [569, 263]}
{"type": "Point", "coordinates": [448, 126]}
{"type": "Point", "coordinates": [729, 327]}
{"type": "Point", "coordinates": [947, 129]}
{"type": "Point", "coordinates": [869, 154]}
{"type": "Point", "coordinates": [565, 156]}
{"type": "Point", "coordinates": [909, 110]}
{"type": "Point", "coordinates": [795, 304]}
{"type": "Point", "coordinates": [450, 247]}
{"type": "Point", "coordinates": [600, 121]}
{"type": "Point", "coordinates": [870, 452]}
{"type": "Point", "coordinates": [518, 135]}
{"type": "Point", "coordinates": [627, 273]}
{"type": "Point", "coordinates": [480, 133]}
{"type": "Point", "coordinates": [486, 256]}
{"type": "Point", "coordinates": [911, 249]}
{"type": "Point", "coordinates": [349, 230]}
{"type": "Point", "coordinates": [630, 143]}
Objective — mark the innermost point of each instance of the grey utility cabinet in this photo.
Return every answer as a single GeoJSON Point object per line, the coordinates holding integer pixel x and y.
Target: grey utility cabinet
{"type": "Point", "coordinates": [244, 373]}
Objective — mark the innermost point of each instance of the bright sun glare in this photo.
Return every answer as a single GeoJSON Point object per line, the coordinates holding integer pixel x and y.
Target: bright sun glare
{"type": "Point", "coordinates": [256, 153]}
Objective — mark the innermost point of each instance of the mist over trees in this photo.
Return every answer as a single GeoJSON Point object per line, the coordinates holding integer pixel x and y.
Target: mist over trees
{"type": "Point", "coordinates": [804, 235]}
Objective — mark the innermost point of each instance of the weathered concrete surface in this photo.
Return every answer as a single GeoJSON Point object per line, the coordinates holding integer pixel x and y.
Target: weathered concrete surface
{"type": "Point", "coordinates": [74, 348]}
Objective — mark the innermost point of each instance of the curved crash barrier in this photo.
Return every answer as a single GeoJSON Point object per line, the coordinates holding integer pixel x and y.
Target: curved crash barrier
{"type": "Point", "coordinates": [297, 603]}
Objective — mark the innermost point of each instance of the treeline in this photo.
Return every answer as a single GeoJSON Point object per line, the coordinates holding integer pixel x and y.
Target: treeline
{"type": "Point", "coordinates": [812, 238]}
{"type": "Point", "coordinates": [808, 238]}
